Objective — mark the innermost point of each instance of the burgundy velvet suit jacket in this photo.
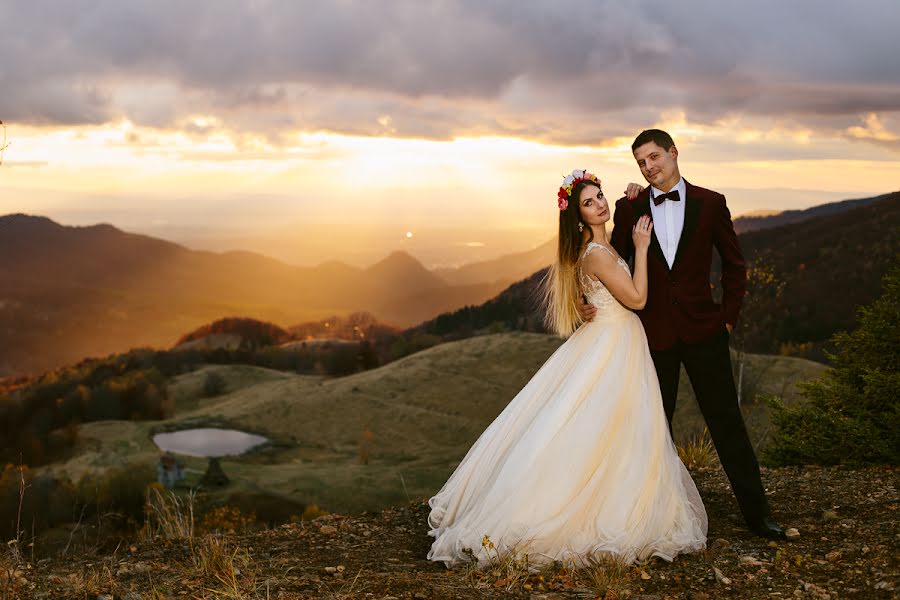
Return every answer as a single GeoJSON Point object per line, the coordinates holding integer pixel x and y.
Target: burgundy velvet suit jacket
{"type": "Point", "coordinates": [679, 300]}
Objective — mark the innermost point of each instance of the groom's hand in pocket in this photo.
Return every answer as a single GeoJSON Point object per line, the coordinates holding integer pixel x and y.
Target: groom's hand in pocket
{"type": "Point", "coordinates": [587, 311]}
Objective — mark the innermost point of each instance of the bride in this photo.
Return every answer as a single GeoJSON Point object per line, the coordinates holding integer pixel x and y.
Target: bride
{"type": "Point", "coordinates": [580, 463]}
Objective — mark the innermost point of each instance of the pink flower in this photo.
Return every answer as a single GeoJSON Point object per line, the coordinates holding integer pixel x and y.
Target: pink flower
{"type": "Point", "coordinates": [562, 198]}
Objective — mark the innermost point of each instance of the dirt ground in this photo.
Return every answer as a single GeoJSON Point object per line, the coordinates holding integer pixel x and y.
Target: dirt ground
{"type": "Point", "coordinates": [847, 548]}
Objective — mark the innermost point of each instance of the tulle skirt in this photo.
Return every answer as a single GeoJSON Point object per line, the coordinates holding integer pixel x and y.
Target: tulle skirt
{"type": "Point", "coordinates": [580, 464]}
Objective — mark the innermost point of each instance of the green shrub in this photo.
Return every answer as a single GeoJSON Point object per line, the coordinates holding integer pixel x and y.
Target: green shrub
{"type": "Point", "coordinates": [213, 385]}
{"type": "Point", "coordinates": [119, 491]}
{"type": "Point", "coordinates": [851, 415]}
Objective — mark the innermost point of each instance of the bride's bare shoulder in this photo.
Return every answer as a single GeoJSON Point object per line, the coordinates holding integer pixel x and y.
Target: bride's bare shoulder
{"type": "Point", "coordinates": [598, 257]}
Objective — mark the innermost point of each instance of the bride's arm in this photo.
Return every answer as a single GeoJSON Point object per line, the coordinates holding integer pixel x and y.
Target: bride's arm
{"type": "Point", "coordinates": [605, 268]}
{"type": "Point", "coordinates": [630, 291]}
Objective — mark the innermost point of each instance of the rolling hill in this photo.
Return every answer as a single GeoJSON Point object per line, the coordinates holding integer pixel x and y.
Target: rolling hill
{"type": "Point", "coordinates": [423, 412]}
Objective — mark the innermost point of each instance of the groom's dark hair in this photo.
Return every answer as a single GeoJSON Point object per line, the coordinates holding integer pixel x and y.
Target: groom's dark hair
{"type": "Point", "coordinates": [657, 136]}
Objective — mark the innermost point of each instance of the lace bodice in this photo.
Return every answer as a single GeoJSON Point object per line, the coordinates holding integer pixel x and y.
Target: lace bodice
{"type": "Point", "coordinates": [594, 290]}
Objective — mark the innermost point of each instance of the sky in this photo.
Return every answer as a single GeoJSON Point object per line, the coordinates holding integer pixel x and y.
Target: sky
{"type": "Point", "coordinates": [216, 115]}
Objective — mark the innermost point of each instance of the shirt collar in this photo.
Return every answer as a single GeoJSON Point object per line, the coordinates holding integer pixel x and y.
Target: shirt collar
{"type": "Point", "coordinates": [680, 186]}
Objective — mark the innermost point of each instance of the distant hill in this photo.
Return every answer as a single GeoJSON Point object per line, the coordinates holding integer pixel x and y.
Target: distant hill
{"type": "Point", "coordinates": [250, 332]}
{"type": "Point", "coordinates": [769, 219]}
{"type": "Point", "coordinates": [830, 262]}
{"type": "Point", "coordinates": [514, 267]}
{"type": "Point", "coordinates": [422, 412]}
{"type": "Point", "coordinates": [68, 292]}
{"type": "Point", "coordinates": [508, 268]}
{"type": "Point", "coordinates": [829, 265]}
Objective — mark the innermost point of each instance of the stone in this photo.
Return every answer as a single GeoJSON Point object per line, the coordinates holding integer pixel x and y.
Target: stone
{"type": "Point", "coordinates": [720, 577]}
{"type": "Point", "coordinates": [792, 533]}
{"type": "Point", "coordinates": [751, 561]}
{"type": "Point", "coordinates": [720, 544]}
{"type": "Point", "coordinates": [327, 530]}
{"type": "Point", "coordinates": [140, 567]}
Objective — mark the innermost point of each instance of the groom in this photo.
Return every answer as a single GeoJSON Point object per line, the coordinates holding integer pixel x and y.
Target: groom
{"type": "Point", "coordinates": [683, 324]}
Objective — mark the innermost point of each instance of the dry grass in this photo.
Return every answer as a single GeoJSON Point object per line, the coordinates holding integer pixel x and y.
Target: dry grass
{"type": "Point", "coordinates": [606, 575]}
{"type": "Point", "coordinates": [14, 569]}
{"type": "Point", "coordinates": [506, 570]}
{"type": "Point", "coordinates": [231, 573]}
{"type": "Point", "coordinates": [698, 452]}
{"type": "Point", "coordinates": [383, 554]}
{"type": "Point", "coordinates": [167, 516]}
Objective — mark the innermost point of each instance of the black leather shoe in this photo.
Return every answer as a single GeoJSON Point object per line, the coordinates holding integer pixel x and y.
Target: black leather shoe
{"type": "Point", "coordinates": [767, 527]}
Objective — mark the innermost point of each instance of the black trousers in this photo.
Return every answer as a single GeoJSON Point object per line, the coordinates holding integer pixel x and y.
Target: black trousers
{"type": "Point", "coordinates": [708, 365]}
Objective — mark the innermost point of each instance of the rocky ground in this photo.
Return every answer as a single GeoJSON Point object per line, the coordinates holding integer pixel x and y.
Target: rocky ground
{"type": "Point", "coordinates": [847, 548]}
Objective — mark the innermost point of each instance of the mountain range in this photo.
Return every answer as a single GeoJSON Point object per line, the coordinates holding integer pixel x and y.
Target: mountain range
{"type": "Point", "coordinates": [810, 271]}
{"type": "Point", "coordinates": [70, 292]}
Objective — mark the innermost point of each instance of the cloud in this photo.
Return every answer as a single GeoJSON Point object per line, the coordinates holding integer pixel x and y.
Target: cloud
{"type": "Point", "coordinates": [573, 72]}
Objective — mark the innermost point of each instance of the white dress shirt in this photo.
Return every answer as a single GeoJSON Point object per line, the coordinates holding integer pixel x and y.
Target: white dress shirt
{"type": "Point", "coordinates": [668, 220]}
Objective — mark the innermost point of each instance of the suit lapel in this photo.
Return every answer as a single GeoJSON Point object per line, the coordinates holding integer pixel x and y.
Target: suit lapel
{"type": "Point", "coordinates": [642, 207]}
{"type": "Point", "coordinates": [692, 206]}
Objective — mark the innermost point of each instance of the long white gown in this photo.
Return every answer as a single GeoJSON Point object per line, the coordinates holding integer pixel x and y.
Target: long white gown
{"type": "Point", "coordinates": [579, 464]}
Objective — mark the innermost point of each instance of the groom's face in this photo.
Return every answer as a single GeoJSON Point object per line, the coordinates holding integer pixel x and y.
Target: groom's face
{"type": "Point", "coordinates": [659, 166]}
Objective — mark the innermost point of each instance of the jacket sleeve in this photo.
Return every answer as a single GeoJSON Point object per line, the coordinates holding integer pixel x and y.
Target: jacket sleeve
{"type": "Point", "coordinates": [734, 270]}
{"type": "Point", "coordinates": [623, 222]}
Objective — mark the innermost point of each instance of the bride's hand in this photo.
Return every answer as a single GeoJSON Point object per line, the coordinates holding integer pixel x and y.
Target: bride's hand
{"type": "Point", "coordinates": [633, 189]}
{"type": "Point", "coordinates": [641, 233]}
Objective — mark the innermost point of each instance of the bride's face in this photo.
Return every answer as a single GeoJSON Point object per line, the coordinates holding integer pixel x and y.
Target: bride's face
{"type": "Point", "coordinates": [593, 206]}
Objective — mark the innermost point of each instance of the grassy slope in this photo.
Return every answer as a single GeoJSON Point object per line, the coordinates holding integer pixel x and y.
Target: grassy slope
{"type": "Point", "coordinates": [424, 412]}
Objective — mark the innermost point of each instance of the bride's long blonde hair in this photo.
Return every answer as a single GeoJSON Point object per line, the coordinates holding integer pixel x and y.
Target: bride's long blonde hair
{"type": "Point", "coordinates": [561, 286]}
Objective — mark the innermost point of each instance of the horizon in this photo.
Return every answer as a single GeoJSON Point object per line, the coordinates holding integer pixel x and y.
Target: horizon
{"type": "Point", "coordinates": [435, 247]}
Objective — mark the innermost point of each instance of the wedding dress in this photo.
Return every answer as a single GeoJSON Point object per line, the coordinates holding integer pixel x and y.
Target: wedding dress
{"type": "Point", "coordinates": [579, 464]}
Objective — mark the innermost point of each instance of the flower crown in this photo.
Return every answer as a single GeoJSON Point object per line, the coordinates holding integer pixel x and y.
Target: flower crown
{"type": "Point", "coordinates": [569, 182]}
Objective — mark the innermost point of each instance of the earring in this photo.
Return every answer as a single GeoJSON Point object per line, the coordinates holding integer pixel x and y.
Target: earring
{"type": "Point", "coordinates": [580, 226]}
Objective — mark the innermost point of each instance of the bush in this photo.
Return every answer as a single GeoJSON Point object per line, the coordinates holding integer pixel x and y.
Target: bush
{"type": "Point", "coordinates": [852, 414]}
{"type": "Point", "coordinates": [119, 491]}
{"type": "Point", "coordinates": [227, 519]}
{"type": "Point", "coordinates": [213, 385]}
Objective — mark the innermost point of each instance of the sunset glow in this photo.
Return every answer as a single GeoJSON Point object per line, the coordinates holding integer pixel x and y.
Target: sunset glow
{"type": "Point", "coordinates": [472, 129]}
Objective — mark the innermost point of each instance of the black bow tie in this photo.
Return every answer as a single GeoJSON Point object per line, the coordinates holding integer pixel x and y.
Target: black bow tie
{"type": "Point", "coordinates": [673, 196]}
